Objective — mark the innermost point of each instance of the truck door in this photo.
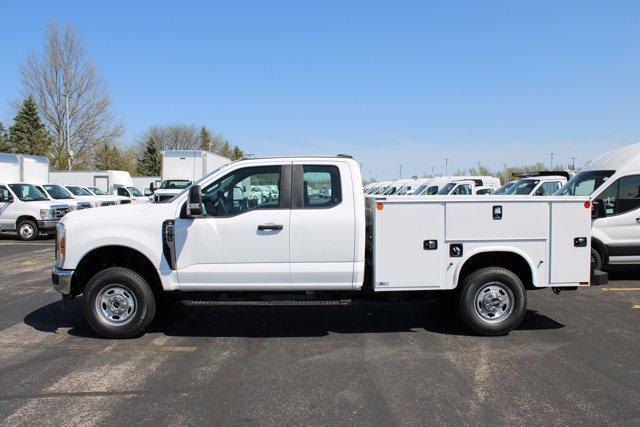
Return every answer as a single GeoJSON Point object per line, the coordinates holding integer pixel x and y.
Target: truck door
{"type": "Point", "coordinates": [7, 218]}
{"type": "Point", "coordinates": [242, 241]}
{"type": "Point", "coordinates": [619, 221]}
{"type": "Point", "coordinates": [322, 226]}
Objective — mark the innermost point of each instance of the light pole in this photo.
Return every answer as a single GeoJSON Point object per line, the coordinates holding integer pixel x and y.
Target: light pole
{"type": "Point", "coordinates": [400, 171]}
{"type": "Point", "coordinates": [446, 166]}
{"type": "Point", "coordinates": [551, 157]}
{"type": "Point", "coordinates": [67, 137]}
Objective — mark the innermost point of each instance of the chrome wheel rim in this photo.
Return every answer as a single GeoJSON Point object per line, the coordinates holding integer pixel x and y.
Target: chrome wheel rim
{"type": "Point", "coordinates": [26, 231]}
{"type": "Point", "coordinates": [494, 302]}
{"type": "Point", "coordinates": [116, 305]}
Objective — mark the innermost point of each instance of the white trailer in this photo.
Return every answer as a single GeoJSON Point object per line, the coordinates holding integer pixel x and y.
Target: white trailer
{"type": "Point", "coordinates": [24, 168]}
{"type": "Point", "coordinates": [182, 167]}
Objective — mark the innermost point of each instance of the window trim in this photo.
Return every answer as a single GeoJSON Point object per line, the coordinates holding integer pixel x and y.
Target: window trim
{"type": "Point", "coordinates": [617, 184]}
{"type": "Point", "coordinates": [284, 193]}
{"type": "Point", "coordinates": [297, 190]}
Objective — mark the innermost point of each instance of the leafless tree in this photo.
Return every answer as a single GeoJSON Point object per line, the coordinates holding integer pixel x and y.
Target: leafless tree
{"type": "Point", "coordinates": [62, 69]}
{"type": "Point", "coordinates": [180, 137]}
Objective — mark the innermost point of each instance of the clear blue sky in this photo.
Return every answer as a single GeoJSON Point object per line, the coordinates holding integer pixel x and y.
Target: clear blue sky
{"type": "Point", "coordinates": [393, 83]}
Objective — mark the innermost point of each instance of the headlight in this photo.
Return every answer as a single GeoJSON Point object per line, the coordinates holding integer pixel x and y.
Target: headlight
{"type": "Point", "coordinates": [61, 244]}
{"type": "Point", "coordinates": [73, 208]}
{"type": "Point", "coordinates": [46, 214]}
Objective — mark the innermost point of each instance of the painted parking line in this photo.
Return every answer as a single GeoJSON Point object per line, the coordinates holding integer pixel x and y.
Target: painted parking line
{"type": "Point", "coordinates": [620, 289]}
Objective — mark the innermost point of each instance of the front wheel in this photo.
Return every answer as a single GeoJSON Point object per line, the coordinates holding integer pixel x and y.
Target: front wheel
{"type": "Point", "coordinates": [27, 230]}
{"type": "Point", "coordinates": [119, 303]}
{"type": "Point", "coordinates": [492, 301]}
{"type": "Point", "coordinates": [596, 258]}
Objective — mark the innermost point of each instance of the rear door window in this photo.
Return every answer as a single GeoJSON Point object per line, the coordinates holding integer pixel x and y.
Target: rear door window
{"type": "Point", "coordinates": [320, 186]}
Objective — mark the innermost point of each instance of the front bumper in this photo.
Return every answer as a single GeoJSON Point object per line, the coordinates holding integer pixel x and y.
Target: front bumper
{"type": "Point", "coordinates": [47, 224]}
{"type": "Point", "coordinates": [61, 280]}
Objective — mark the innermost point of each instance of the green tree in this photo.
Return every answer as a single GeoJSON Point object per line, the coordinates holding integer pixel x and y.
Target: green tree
{"type": "Point", "coordinates": [110, 157]}
{"type": "Point", "coordinates": [225, 150]}
{"type": "Point", "coordinates": [237, 153]}
{"type": "Point", "coordinates": [4, 139]}
{"type": "Point", "coordinates": [205, 139]}
{"type": "Point", "coordinates": [149, 161]}
{"type": "Point", "coordinates": [27, 134]}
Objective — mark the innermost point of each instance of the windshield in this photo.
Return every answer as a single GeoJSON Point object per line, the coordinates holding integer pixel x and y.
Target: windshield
{"type": "Point", "coordinates": [175, 184]}
{"type": "Point", "coordinates": [402, 191]}
{"type": "Point", "coordinates": [505, 188]}
{"type": "Point", "coordinates": [584, 183]}
{"type": "Point", "coordinates": [447, 188]}
{"type": "Point", "coordinates": [135, 191]}
{"type": "Point", "coordinates": [57, 192]}
{"type": "Point", "coordinates": [27, 192]}
{"type": "Point", "coordinates": [523, 187]}
{"type": "Point", "coordinates": [97, 191]}
{"type": "Point", "coordinates": [78, 191]}
{"type": "Point", "coordinates": [390, 191]}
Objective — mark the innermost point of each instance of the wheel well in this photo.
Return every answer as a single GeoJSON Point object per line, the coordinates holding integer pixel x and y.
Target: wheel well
{"type": "Point", "coordinates": [114, 256]}
{"type": "Point", "coordinates": [23, 217]}
{"type": "Point", "coordinates": [508, 260]}
{"type": "Point", "coordinates": [601, 248]}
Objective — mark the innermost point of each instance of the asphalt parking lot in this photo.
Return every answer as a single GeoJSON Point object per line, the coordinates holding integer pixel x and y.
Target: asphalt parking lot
{"type": "Point", "coordinates": [574, 360]}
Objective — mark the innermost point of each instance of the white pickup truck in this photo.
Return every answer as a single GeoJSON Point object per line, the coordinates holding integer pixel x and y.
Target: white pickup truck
{"type": "Point", "coordinates": [318, 242]}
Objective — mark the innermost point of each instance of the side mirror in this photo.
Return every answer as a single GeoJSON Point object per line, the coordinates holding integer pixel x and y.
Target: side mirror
{"type": "Point", "coordinates": [148, 192]}
{"type": "Point", "coordinates": [152, 187]}
{"type": "Point", "coordinates": [194, 204]}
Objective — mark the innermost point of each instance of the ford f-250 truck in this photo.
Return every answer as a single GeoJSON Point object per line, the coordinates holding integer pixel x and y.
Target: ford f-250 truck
{"type": "Point", "coordinates": [318, 241]}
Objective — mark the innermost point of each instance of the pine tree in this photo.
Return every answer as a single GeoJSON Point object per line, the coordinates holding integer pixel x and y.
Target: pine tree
{"type": "Point", "coordinates": [4, 139]}
{"type": "Point", "coordinates": [225, 150]}
{"type": "Point", "coordinates": [237, 153]}
{"type": "Point", "coordinates": [149, 161]}
{"type": "Point", "coordinates": [205, 139]}
{"type": "Point", "coordinates": [27, 134]}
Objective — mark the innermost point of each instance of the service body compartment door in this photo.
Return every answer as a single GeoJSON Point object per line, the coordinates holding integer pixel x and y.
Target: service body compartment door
{"type": "Point", "coordinates": [401, 259]}
{"type": "Point", "coordinates": [569, 263]}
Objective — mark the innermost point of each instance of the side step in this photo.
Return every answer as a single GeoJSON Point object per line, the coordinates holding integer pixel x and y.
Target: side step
{"type": "Point", "coordinates": [267, 303]}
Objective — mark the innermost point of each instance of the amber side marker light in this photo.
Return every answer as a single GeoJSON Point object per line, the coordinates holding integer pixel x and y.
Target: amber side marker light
{"type": "Point", "coordinates": [379, 206]}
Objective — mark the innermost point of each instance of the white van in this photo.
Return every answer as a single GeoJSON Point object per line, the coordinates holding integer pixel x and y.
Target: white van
{"type": "Point", "coordinates": [62, 195]}
{"type": "Point", "coordinates": [613, 183]}
{"type": "Point", "coordinates": [25, 209]}
{"type": "Point", "coordinates": [112, 182]}
{"type": "Point", "coordinates": [537, 186]}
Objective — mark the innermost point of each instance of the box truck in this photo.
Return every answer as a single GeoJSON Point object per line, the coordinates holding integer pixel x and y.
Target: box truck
{"type": "Point", "coordinates": [180, 168]}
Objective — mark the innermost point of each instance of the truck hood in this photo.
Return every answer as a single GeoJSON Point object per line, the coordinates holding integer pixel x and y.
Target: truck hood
{"type": "Point", "coordinates": [120, 215]}
{"type": "Point", "coordinates": [47, 204]}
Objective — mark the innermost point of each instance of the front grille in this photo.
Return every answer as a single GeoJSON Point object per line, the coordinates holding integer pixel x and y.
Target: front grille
{"type": "Point", "coordinates": [125, 202]}
{"type": "Point", "coordinates": [59, 211]}
{"type": "Point", "coordinates": [108, 203]}
{"type": "Point", "coordinates": [84, 205]}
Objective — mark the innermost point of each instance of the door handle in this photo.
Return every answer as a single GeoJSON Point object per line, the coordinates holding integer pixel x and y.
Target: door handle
{"type": "Point", "coordinates": [263, 227]}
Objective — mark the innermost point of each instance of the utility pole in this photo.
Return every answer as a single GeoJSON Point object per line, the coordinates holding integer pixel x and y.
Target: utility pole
{"type": "Point", "coordinates": [446, 166]}
{"type": "Point", "coordinates": [68, 141]}
{"type": "Point", "coordinates": [400, 171]}
{"type": "Point", "coordinates": [432, 171]}
{"type": "Point", "coordinates": [478, 168]}
{"type": "Point", "coordinates": [573, 163]}
{"type": "Point", "coordinates": [506, 178]}
{"type": "Point", "coordinates": [551, 157]}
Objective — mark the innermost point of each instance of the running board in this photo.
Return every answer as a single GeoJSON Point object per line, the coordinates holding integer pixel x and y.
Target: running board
{"type": "Point", "coordinates": [267, 303]}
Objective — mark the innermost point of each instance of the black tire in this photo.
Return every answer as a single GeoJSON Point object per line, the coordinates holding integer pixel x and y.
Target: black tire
{"type": "Point", "coordinates": [596, 257]}
{"type": "Point", "coordinates": [503, 292]}
{"type": "Point", "coordinates": [23, 226]}
{"type": "Point", "coordinates": [128, 286]}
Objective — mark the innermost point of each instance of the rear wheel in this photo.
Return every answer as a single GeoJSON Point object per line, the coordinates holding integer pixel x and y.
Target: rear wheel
{"type": "Point", "coordinates": [27, 230]}
{"type": "Point", "coordinates": [119, 303]}
{"type": "Point", "coordinates": [596, 258]}
{"type": "Point", "coordinates": [492, 301]}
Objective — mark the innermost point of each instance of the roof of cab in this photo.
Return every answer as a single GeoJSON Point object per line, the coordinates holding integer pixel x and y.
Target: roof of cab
{"type": "Point", "coordinates": [619, 158]}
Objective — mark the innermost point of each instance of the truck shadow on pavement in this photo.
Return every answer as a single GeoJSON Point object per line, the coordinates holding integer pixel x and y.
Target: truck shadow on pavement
{"type": "Point", "coordinates": [275, 322]}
